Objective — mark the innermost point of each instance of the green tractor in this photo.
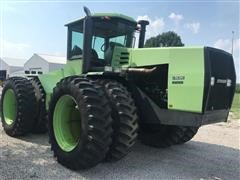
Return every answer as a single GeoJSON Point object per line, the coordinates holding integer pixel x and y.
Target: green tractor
{"type": "Point", "coordinates": [109, 93]}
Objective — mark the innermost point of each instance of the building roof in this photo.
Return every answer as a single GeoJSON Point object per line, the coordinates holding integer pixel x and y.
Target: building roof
{"type": "Point", "coordinates": [53, 59]}
{"type": "Point", "coordinates": [14, 61]}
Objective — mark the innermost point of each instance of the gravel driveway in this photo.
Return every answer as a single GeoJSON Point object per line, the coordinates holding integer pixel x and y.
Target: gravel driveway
{"type": "Point", "coordinates": [213, 154]}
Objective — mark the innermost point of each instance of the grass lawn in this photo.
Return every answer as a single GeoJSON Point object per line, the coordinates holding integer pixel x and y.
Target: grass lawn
{"type": "Point", "coordinates": [236, 106]}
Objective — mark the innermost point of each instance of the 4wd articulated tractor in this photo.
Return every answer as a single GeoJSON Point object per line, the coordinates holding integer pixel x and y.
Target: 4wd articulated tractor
{"type": "Point", "coordinates": [109, 93]}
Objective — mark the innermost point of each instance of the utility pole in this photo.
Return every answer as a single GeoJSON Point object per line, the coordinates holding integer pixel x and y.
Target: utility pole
{"type": "Point", "coordinates": [232, 41]}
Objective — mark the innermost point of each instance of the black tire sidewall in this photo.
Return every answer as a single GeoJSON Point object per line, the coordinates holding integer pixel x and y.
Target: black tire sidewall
{"type": "Point", "coordinates": [40, 124]}
{"type": "Point", "coordinates": [121, 127]}
{"type": "Point", "coordinates": [83, 135]}
{"type": "Point", "coordinates": [25, 110]}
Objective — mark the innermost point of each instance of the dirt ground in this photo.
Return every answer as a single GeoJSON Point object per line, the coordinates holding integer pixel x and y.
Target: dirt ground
{"type": "Point", "coordinates": [214, 153]}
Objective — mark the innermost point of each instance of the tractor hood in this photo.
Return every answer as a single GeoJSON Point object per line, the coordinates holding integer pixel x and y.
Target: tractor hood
{"type": "Point", "coordinates": [199, 78]}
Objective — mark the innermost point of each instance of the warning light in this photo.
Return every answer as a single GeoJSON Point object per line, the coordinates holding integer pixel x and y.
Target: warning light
{"type": "Point", "coordinates": [107, 17]}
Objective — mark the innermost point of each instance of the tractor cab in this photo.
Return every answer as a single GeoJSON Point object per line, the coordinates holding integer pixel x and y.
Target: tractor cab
{"type": "Point", "coordinates": [93, 38]}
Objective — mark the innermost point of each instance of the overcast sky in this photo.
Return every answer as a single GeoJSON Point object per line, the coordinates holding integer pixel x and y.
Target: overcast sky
{"type": "Point", "coordinates": [29, 27]}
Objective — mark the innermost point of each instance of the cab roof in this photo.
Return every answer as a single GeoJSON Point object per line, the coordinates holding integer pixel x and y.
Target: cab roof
{"type": "Point", "coordinates": [113, 15]}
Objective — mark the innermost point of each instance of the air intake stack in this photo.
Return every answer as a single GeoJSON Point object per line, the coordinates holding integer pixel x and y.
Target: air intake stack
{"type": "Point", "coordinates": [143, 24]}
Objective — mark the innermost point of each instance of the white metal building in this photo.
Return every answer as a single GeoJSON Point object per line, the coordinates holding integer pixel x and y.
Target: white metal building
{"type": "Point", "coordinates": [44, 63]}
{"type": "Point", "coordinates": [11, 65]}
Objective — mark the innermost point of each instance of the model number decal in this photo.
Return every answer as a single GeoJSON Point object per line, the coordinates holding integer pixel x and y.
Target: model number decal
{"type": "Point", "coordinates": [178, 79]}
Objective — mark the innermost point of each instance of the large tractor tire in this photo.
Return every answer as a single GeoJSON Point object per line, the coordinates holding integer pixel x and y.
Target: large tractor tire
{"type": "Point", "coordinates": [188, 134]}
{"type": "Point", "coordinates": [80, 125]}
{"type": "Point", "coordinates": [125, 119]}
{"type": "Point", "coordinates": [40, 124]}
{"type": "Point", "coordinates": [162, 136]}
{"type": "Point", "coordinates": [18, 106]}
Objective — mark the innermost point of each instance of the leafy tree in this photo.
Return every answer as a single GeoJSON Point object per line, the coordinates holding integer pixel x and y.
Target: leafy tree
{"type": "Point", "coordinates": [166, 39]}
{"type": "Point", "coordinates": [237, 90]}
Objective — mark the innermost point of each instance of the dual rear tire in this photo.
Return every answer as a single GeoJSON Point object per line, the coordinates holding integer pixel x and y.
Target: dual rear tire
{"type": "Point", "coordinates": [23, 107]}
{"type": "Point", "coordinates": [90, 122]}
{"type": "Point", "coordinates": [18, 106]}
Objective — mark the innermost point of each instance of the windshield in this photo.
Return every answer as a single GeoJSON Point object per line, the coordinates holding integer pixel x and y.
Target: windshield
{"type": "Point", "coordinates": [119, 39]}
{"type": "Point", "coordinates": [114, 30]}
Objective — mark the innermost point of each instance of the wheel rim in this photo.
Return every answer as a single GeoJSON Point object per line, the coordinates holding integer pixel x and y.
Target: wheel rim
{"type": "Point", "coordinates": [9, 107]}
{"type": "Point", "coordinates": [67, 123]}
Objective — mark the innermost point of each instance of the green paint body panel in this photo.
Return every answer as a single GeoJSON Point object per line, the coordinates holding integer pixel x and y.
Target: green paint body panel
{"type": "Point", "coordinates": [50, 80]}
{"type": "Point", "coordinates": [190, 64]}
{"type": "Point", "coordinates": [9, 107]}
{"type": "Point", "coordinates": [187, 62]}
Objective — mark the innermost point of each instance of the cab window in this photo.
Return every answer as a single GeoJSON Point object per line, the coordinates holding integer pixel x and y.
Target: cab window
{"type": "Point", "coordinates": [119, 40]}
{"type": "Point", "coordinates": [76, 45]}
{"type": "Point", "coordinates": [97, 45]}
